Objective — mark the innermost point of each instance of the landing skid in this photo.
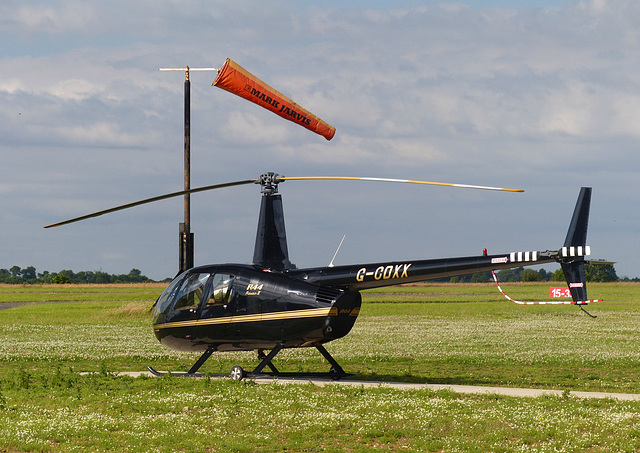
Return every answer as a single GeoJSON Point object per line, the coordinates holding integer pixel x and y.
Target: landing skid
{"type": "Point", "coordinates": [178, 373]}
{"type": "Point", "coordinates": [238, 373]}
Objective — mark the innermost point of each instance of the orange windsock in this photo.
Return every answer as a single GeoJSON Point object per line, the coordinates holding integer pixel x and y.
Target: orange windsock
{"type": "Point", "coordinates": [235, 79]}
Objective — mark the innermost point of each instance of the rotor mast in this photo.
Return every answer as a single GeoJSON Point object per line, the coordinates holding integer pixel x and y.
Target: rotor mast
{"type": "Point", "coordinates": [271, 250]}
{"type": "Point", "coordinates": [186, 242]}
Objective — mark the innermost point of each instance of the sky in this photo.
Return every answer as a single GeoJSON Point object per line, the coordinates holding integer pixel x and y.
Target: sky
{"type": "Point", "coordinates": [537, 95]}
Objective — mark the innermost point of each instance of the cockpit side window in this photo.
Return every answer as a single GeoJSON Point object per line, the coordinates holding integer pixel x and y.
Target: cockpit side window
{"type": "Point", "coordinates": [222, 285]}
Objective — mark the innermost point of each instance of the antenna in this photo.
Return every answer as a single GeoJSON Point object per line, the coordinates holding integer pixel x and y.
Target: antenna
{"type": "Point", "coordinates": [184, 229]}
{"type": "Point", "coordinates": [336, 254]}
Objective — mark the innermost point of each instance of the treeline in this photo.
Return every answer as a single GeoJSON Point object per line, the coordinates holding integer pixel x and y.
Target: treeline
{"type": "Point", "coordinates": [594, 272]}
{"type": "Point", "coordinates": [28, 275]}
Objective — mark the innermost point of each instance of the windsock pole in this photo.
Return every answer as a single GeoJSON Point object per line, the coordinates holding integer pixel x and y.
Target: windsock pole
{"type": "Point", "coordinates": [186, 242]}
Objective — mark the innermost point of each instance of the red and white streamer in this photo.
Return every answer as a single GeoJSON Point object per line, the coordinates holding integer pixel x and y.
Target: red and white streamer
{"type": "Point", "coordinates": [549, 302]}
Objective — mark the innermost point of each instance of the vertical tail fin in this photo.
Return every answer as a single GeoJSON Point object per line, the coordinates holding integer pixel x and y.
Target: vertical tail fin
{"type": "Point", "coordinates": [570, 256]}
{"type": "Point", "coordinates": [577, 234]}
{"type": "Point", "coordinates": [575, 248]}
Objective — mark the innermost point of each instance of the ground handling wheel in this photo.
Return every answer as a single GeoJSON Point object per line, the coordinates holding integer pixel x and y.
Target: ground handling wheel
{"type": "Point", "coordinates": [237, 373]}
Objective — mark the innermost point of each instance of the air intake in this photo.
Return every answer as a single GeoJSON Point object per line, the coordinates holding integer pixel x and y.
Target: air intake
{"type": "Point", "coordinates": [328, 295]}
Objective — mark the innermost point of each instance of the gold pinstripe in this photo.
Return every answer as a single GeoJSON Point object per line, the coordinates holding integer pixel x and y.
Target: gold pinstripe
{"type": "Point", "coordinates": [273, 316]}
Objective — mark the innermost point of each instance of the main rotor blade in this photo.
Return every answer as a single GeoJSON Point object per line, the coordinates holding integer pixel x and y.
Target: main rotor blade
{"type": "Point", "coordinates": [354, 178]}
{"type": "Point", "coordinates": [151, 200]}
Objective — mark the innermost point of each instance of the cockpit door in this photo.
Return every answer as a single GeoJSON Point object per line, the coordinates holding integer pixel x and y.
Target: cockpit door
{"type": "Point", "coordinates": [218, 309]}
{"type": "Point", "coordinates": [220, 301]}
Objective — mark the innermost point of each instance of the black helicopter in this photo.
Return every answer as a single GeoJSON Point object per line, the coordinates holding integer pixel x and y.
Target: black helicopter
{"type": "Point", "coordinates": [270, 305]}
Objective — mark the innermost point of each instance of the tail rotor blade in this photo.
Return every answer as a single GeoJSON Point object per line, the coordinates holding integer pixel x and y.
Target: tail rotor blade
{"type": "Point", "coordinates": [409, 181]}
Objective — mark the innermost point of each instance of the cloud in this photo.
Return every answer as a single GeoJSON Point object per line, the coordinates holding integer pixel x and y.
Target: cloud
{"type": "Point", "coordinates": [542, 98]}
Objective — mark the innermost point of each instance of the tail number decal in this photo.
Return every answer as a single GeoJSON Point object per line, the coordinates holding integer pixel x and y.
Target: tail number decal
{"type": "Point", "coordinates": [384, 272]}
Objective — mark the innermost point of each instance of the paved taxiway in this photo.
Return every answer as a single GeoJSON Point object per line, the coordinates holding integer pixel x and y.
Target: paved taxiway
{"type": "Point", "coordinates": [464, 389]}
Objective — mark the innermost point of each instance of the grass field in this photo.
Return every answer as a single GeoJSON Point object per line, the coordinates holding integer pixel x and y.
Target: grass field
{"type": "Point", "coordinates": [442, 333]}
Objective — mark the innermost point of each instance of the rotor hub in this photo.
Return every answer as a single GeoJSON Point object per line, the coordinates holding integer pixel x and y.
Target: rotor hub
{"type": "Point", "coordinates": [269, 182]}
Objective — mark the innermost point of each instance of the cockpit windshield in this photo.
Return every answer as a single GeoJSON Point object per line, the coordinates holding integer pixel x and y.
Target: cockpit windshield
{"type": "Point", "coordinates": [182, 295]}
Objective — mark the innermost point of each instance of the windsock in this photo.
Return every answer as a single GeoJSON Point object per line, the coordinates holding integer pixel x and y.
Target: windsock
{"type": "Point", "coordinates": [235, 79]}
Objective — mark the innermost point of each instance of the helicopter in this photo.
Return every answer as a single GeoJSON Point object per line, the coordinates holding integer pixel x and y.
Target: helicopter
{"type": "Point", "coordinates": [270, 305]}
